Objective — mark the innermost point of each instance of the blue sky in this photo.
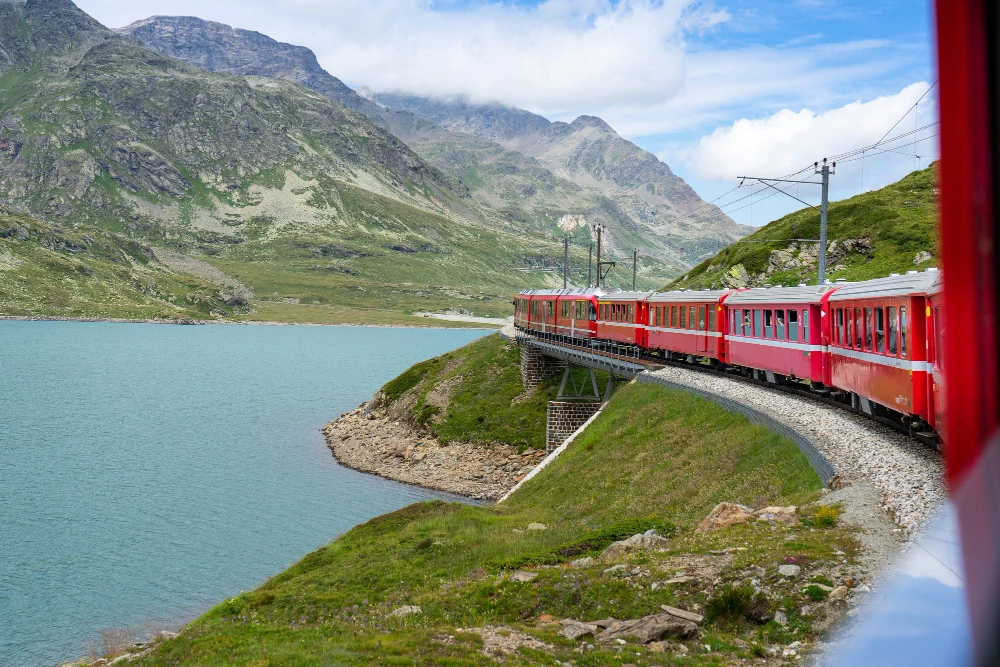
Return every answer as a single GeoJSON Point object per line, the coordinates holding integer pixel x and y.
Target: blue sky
{"type": "Point", "coordinates": [715, 89]}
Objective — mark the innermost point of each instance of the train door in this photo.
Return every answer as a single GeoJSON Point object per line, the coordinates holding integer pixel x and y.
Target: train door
{"type": "Point", "coordinates": [701, 326]}
{"type": "Point", "coordinates": [936, 362]}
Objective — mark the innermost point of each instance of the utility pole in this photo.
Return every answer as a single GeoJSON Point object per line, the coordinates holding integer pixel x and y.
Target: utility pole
{"type": "Point", "coordinates": [824, 210]}
{"type": "Point", "coordinates": [599, 230]}
{"type": "Point", "coordinates": [826, 170]}
{"type": "Point", "coordinates": [590, 265]}
{"type": "Point", "coordinates": [565, 261]}
{"type": "Point", "coordinates": [635, 264]}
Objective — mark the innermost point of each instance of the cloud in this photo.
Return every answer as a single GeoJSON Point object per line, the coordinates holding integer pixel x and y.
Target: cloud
{"type": "Point", "coordinates": [786, 141]}
{"type": "Point", "coordinates": [556, 54]}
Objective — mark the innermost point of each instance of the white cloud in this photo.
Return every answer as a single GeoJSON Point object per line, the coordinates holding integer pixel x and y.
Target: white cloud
{"type": "Point", "coordinates": [559, 54]}
{"type": "Point", "coordinates": [786, 141]}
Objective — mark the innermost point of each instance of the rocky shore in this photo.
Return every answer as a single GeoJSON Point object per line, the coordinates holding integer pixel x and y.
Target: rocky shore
{"type": "Point", "coordinates": [376, 441]}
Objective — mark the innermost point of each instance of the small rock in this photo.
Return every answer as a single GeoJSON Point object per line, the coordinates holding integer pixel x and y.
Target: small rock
{"type": "Point", "coordinates": [523, 576]}
{"type": "Point", "coordinates": [419, 456]}
{"type": "Point", "coordinates": [724, 514]}
{"type": "Point", "coordinates": [682, 648]}
{"type": "Point", "coordinates": [781, 618]}
{"type": "Point", "coordinates": [537, 526]}
{"type": "Point", "coordinates": [406, 610]}
{"type": "Point", "coordinates": [546, 619]}
{"type": "Point", "coordinates": [683, 613]}
{"type": "Point", "coordinates": [782, 514]}
{"type": "Point", "coordinates": [660, 647]}
{"type": "Point", "coordinates": [573, 629]}
{"type": "Point", "coordinates": [839, 593]}
{"type": "Point", "coordinates": [586, 561]}
{"type": "Point", "coordinates": [850, 582]}
{"type": "Point", "coordinates": [640, 542]}
{"type": "Point", "coordinates": [789, 570]}
{"type": "Point", "coordinates": [615, 568]}
{"type": "Point", "coordinates": [517, 531]}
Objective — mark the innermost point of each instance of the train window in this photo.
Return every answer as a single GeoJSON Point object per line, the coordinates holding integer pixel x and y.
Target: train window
{"type": "Point", "coordinates": [893, 332]}
{"type": "Point", "coordinates": [564, 308]}
{"type": "Point", "coordinates": [805, 326]}
{"type": "Point", "coordinates": [701, 318]}
{"type": "Point", "coordinates": [684, 311]}
{"type": "Point", "coordinates": [593, 311]}
{"type": "Point", "coordinates": [859, 328]}
{"type": "Point", "coordinates": [880, 330]}
{"type": "Point", "coordinates": [757, 321]}
{"type": "Point", "coordinates": [793, 325]}
{"type": "Point", "coordinates": [849, 326]}
{"type": "Point", "coordinates": [868, 329]}
{"type": "Point", "coordinates": [768, 323]}
{"type": "Point", "coordinates": [838, 336]}
{"type": "Point", "coordinates": [631, 314]}
{"type": "Point", "coordinates": [902, 333]}
{"type": "Point", "coordinates": [711, 319]}
{"type": "Point", "coordinates": [691, 321]}
{"type": "Point", "coordinates": [673, 317]}
{"type": "Point", "coordinates": [748, 322]}
{"type": "Point", "coordinates": [939, 337]}
{"type": "Point", "coordinates": [779, 324]}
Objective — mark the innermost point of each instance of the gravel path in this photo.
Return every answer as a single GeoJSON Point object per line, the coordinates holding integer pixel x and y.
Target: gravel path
{"type": "Point", "coordinates": [909, 475]}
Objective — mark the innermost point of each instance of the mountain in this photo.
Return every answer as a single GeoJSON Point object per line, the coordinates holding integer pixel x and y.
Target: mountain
{"type": "Point", "coordinates": [304, 201]}
{"type": "Point", "coordinates": [892, 230]}
{"type": "Point", "coordinates": [507, 158]}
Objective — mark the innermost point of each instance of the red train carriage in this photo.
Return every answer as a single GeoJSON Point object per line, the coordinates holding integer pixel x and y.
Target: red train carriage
{"type": "Point", "coordinates": [935, 355]}
{"type": "Point", "coordinates": [688, 323]}
{"type": "Point", "coordinates": [622, 317]}
{"type": "Point", "coordinates": [878, 348]}
{"type": "Point", "coordinates": [565, 313]}
{"type": "Point", "coordinates": [779, 331]}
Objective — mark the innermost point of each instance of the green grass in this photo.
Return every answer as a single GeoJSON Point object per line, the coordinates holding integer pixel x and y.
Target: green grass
{"type": "Point", "coordinates": [900, 220]}
{"type": "Point", "coordinates": [486, 402]}
{"type": "Point", "coordinates": [294, 313]}
{"type": "Point", "coordinates": [655, 456]}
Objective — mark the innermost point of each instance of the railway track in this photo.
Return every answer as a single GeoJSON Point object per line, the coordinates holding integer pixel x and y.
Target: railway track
{"type": "Point", "coordinates": [635, 356]}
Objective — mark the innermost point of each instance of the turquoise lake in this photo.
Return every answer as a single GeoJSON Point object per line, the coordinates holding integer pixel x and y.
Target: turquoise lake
{"type": "Point", "coordinates": [149, 471]}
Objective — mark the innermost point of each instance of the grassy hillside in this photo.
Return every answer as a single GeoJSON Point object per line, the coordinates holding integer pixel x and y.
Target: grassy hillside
{"type": "Point", "coordinates": [50, 271]}
{"type": "Point", "coordinates": [655, 458]}
{"type": "Point", "coordinates": [474, 394]}
{"type": "Point", "coordinates": [892, 230]}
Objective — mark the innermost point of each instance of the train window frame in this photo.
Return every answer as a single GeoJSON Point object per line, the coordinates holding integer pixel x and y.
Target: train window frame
{"type": "Point", "coordinates": [805, 326]}
{"type": "Point", "coordinates": [631, 314]}
{"type": "Point", "coordinates": [673, 317]}
{"type": "Point", "coordinates": [692, 322]}
{"type": "Point", "coordinates": [869, 329]}
{"type": "Point", "coordinates": [711, 319]}
{"type": "Point", "coordinates": [902, 331]}
{"type": "Point", "coordinates": [591, 311]}
{"type": "Point", "coordinates": [793, 325]}
{"type": "Point", "coordinates": [768, 323]}
{"type": "Point", "coordinates": [747, 322]}
{"type": "Point", "coordinates": [839, 338]}
{"type": "Point", "coordinates": [683, 320]}
{"type": "Point", "coordinates": [780, 330]}
{"type": "Point", "coordinates": [879, 327]}
{"type": "Point", "coordinates": [938, 338]}
{"type": "Point", "coordinates": [859, 330]}
{"type": "Point", "coordinates": [892, 327]}
{"type": "Point", "coordinates": [849, 327]}
{"type": "Point", "coordinates": [758, 322]}
{"type": "Point", "coordinates": [564, 310]}
{"type": "Point", "coordinates": [701, 318]}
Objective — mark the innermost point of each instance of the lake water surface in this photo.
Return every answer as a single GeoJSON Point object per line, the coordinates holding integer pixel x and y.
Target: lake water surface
{"type": "Point", "coordinates": [149, 471]}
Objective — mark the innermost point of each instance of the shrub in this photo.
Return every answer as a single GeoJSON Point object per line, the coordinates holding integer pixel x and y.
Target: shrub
{"type": "Point", "coordinates": [815, 593]}
{"type": "Point", "coordinates": [730, 603]}
{"type": "Point", "coordinates": [827, 516]}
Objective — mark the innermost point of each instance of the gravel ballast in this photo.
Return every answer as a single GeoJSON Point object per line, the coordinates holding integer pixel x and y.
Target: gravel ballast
{"type": "Point", "coordinates": [909, 475]}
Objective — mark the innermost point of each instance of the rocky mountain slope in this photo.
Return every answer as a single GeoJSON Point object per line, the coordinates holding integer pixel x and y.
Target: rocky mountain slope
{"type": "Point", "coordinates": [507, 158]}
{"type": "Point", "coordinates": [301, 199]}
{"type": "Point", "coordinates": [892, 230]}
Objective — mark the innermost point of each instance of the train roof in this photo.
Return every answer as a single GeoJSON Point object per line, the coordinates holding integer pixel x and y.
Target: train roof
{"type": "Point", "coordinates": [893, 286]}
{"type": "Point", "coordinates": [685, 296]}
{"type": "Point", "coordinates": [572, 291]}
{"type": "Point", "coordinates": [800, 294]}
{"type": "Point", "coordinates": [626, 296]}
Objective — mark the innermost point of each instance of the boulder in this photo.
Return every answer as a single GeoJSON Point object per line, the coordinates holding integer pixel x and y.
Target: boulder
{"type": "Point", "coordinates": [586, 561]}
{"type": "Point", "coordinates": [839, 593]}
{"type": "Point", "coordinates": [724, 514]}
{"type": "Point", "coordinates": [640, 542]}
{"type": "Point", "coordinates": [683, 613]}
{"type": "Point", "coordinates": [406, 610]}
{"type": "Point", "coordinates": [573, 629]}
{"type": "Point", "coordinates": [782, 514]}
{"type": "Point", "coordinates": [523, 576]}
{"type": "Point", "coordinates": [789, 570]}
{"type": "Point", "coordinates": [650, 629]}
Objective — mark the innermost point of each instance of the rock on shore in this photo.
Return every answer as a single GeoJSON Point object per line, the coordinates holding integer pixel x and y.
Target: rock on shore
{"type": "Point", "coordinates": [375, 442]}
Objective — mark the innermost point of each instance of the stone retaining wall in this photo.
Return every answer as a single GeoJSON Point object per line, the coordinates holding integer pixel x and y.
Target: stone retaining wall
{"type": "Point", "coordinates": [564, 418]}
{"type": "Point", "coordinates": [537, 367]}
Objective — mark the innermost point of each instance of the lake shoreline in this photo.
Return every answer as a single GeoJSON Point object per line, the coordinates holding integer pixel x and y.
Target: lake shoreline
{"type": "Point", "coordinates": [373, 440]}
{"type": "Point", "coordinates": [262, 323]}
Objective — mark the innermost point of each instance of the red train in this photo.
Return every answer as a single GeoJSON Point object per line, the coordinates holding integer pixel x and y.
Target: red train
{"type": "Point", "coordinates": [877, 343]}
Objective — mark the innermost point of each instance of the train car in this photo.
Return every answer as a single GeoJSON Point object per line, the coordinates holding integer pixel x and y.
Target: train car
{"type": "Point", "coordinates": [936, 384]}
{"type": "Point", "coordinates": [878, 346]}
{"type": "Point", "coordinates": [779, 332]}
{"type": "Point", "coordinates": [688, 323]}
{"type": "Point", "coordinates": [622, 317]}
